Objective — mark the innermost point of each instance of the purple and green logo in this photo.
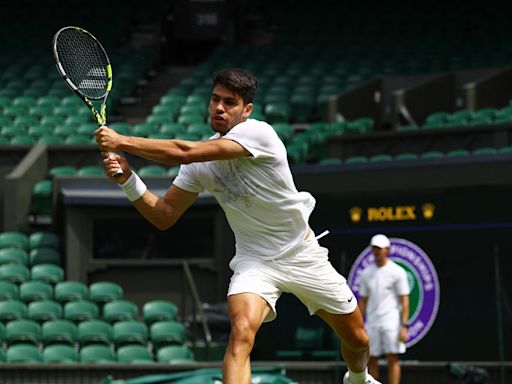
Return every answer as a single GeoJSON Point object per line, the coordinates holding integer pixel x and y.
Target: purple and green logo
{"type": "Point", "coordinates": [423, 282]}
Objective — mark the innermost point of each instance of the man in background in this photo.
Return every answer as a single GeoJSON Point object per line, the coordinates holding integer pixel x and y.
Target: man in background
{"type": "Point", "coordinates": [384, 299]}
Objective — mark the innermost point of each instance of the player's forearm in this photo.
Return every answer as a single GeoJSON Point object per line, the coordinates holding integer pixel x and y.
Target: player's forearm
{"type": "Point", "coordinates": [163, 151]}
{"type": "Point", "coordinates": [405, 309]}
{"type": "Point", "coordinates": [155, 210]}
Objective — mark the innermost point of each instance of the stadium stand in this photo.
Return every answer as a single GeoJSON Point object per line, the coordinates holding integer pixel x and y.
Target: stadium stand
{"type": "Point", "coordinates": [332, 81]}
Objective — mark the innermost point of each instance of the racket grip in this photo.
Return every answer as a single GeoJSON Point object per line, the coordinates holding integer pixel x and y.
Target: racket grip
{"type": "Point", "coordinates": [119, 171]}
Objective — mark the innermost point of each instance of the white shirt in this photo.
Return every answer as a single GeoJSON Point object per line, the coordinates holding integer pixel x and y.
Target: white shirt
{"type": "Point", "coordinates": [267, 214]}
{"type": "Point", "coordinates": [383, 286]}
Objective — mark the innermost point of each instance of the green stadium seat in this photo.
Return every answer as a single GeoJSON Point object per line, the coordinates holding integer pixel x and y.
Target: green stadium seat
{"type": "Point", "coordinates": [44, 239]}
{"type": "Point", "coordinates": [91, 170]}
{"type": "Point", "coordinates": [432, 155]}
{"type": "Point", "coordinates": [13, 239]}
{"type": "Point", "coordinates": [485, 151]}
{"type": "Point", "coordinates": [23, 353]}
{"type": "Point", "coordinates": [175, 354]}
{"type": "Point", "coordinates": [60, 354]}
{"type": "Point", "coordinates": [59, 331]}
{"type": "Point", "coordinates": [190, 118]}
{"type": "Point", "coordinates": [44, 255]}
{"type": "Point", "coordinates": [135, 354]}
{"type": "Point", "coordinates": [406, 156]}
{"type": "Point", "coordinates": [277, 112]}
{"type": "Point", "coordinates": [129, 332]}
{"type": "Point", "coordinates": [172, 129]}
{"type": "Point", "coordinates": [284, 131]}
{"type": "Point", "coordinates": [13, 255]}
{"type": "Point", "coordinates": [306, 340]}
{"type": "Point", "coordinates": [79, 139]}
{"type": "Point", "coordinates": [42, 197]}
{"type": "Point", "coordinates": [152, 170]}
{"type": "Point", "coordinates": [159, 310]}
{"type": "Point", "coordinates": [330, 161]}
{"type": "Point", "coordinates": [22, 140]}
{"type": "Point", "coordinates": [81, 310]}
{"type": "Point", "coordinates": [457, 153]}
{"type": "Point", "coordinates": [94, 331]}
{"type": "Point", "coordinates": [167, 332]}
{"type": "Point", "coordinates": [97, 353]}
{"type": "Point", "coordinates": [505, 150]}
{"type": "Point", "coordinates": [144, 130]}
{"type": "Point", "coordinates": [357, 159]}
{"type": "Point", "coordinates": [380, 158]}
{"type": "Point", "coordinates": [50, 139]}
{"type": "Point", "coordinates": [69, 290]}
{"type": "Point", "coordinates": [173, 171]}
{"type": "Point", "coordinates": [12, 310]}
{"type": "Point", "coordinates": [62, 170]}
{"type": "Point", "coordinates": [38, 131]}
{"type": "Point", "coordinates": [14, 272]}
{"type": "Point", "coordinates": [8, 291]}
{"type": "Point", "coordinates": [44, 310]}
{"type": "Point", "coordinates": [35, 290]}
{"type": "Point", "coordinates": [48, 101]}
{"type": "Point", "coordinates": [119, 310]}
{"type": "Point", "coordinates": [362, 125]}
{"type": "Point", "coordinates": [22, 331]}
{"type": "Point", "coordinates": [50, 273]}
{"type": "Point", "coordinates": [104, 291]}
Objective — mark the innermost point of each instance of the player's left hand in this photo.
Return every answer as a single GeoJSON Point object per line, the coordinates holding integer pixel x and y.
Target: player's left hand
{"type": "Point", "coordinates": [403, 334]}
{"type": "Point", "coordinates": [108, 139]}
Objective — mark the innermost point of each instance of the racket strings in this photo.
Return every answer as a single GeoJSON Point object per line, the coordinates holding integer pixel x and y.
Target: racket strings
{"type": "Point", "coordinates": [84, 62]}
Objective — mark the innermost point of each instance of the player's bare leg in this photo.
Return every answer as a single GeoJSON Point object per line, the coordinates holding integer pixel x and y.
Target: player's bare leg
{"type": "Point", "coordinates": [246, 312]}
{"type": "Point", "coordinates": [350, 328]}
{"type": "Point", "coordinates": [394, 369]}
{"type": "Point", "coordinates": [373, 366]}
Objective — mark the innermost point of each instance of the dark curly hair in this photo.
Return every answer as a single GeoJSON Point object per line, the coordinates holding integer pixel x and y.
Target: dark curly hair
{"type": "Point", "coordinates": [239, 81]}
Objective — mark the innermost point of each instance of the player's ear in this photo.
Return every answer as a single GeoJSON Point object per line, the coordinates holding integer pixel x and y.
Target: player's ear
{"type": "Point", "coordinates": [247, 110]}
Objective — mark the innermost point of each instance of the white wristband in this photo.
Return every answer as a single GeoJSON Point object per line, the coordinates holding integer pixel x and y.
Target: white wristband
{"type": "Point", "coordinates": [134, 187]}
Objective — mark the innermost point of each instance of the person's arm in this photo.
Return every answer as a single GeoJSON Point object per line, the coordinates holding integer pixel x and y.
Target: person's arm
{"type": "Point", "coordinates": [363, 300]}
{"type": "Point", "coordinates": [170, 151]}
{"type": "Point", "coordinates": [404, 301]}
{"type": "Point", "coordinates": [162, 212]}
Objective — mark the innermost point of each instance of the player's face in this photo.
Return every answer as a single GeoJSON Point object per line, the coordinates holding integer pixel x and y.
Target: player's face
{"type": "Point", "coordinates": [227, 109]}
{"type": "Point", "coordinates": [380, 255]}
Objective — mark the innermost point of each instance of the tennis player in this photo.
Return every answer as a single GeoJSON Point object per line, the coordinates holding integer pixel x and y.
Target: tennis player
{"type": "Point", "coordinates": [244, 166]}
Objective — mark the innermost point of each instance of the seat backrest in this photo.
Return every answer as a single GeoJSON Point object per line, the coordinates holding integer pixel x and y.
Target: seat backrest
{"type": "Point", "coordinates": [12, 310]}
{"type": "Point", "coordinates": [129, 332]}
{"type": "Point", "coordinates": [44, 310]}
{"type": "Point", "coordinates": [22, 331]}
{"type": "Point", "coordinates": [70, 290]}
{"type": "Point", "coordinates": [23, 353]}
{"type": "Point", "coordinates": [104, 291]}
{"type": "Point", "coordinates": [13, 255]}
{"type": "Point", "coordinates": [80, 310]}
{"type": "Point", "coordinates": [59, 353]}
{"type": "Point", "coordinates": [14, 272]}
{"type": "Point", "coordinates": [118, 310]}
{"type": "Point", "coordinates": [158, 310]}
{"type": "Point", "coordinates": [97, 353]}
{"type": "Point", "coordinates": [50, 273]}
{"type": "Point", "coordinates": [134, 354]}
{"type": "Point", "coordinates": [59, 331]}
{"type": "Point", "coordinates": [94, 331]}
{"type": "Point", "coordinates": [35, 290]}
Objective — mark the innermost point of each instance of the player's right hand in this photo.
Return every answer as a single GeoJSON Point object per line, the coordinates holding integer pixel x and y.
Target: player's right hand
{"type": "Point", "coordinates": [112, 162]}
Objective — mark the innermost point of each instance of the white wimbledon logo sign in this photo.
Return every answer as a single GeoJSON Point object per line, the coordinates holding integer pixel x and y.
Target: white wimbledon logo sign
{"type": "Point", "coordinates": [423, 281]}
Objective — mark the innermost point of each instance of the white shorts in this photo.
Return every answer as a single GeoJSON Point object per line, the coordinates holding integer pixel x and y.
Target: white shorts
{"type": "Point", "coordinates": [304, 272]}
{"type": "Point", "coordinates": [384, 340]}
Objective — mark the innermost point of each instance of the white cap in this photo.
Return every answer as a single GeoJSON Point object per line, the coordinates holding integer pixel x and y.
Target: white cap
{"type": "Point", "coordinates": [380, 241]}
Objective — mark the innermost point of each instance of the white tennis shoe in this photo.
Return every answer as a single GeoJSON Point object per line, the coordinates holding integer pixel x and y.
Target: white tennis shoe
{"type": "Point", "coordinates": [369, 380]}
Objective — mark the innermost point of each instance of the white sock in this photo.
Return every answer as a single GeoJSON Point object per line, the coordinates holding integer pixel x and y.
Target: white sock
{"type": "Point", "coordinates": [358, 377]}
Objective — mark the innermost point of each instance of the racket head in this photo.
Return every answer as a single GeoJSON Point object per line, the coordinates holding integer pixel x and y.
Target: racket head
{"type": "Point", "coordinates": [82, 62]}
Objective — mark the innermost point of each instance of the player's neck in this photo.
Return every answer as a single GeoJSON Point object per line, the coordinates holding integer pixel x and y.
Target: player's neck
{"type": "Point", "coordinates": [381, 263]}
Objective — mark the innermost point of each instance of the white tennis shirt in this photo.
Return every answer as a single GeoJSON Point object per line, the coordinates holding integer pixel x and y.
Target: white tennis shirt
{"type": "Point", "coordinates": [267, 214]}
{"type": "Point", "coordinates": [383, 287]}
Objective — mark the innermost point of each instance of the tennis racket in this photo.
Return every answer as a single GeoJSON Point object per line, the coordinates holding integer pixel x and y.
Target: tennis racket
{"type": "Point", "coordinates": [84, 65]}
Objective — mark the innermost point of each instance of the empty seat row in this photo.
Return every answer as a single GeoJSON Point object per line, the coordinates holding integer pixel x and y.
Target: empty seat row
{"type": "Point", "coordinates": [95, 331]}
{"type": "Point", "coordinates": [95, 353]}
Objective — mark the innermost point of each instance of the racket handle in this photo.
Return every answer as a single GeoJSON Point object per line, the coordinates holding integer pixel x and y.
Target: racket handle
{"type": "Point", "coordinates": [119, 172]}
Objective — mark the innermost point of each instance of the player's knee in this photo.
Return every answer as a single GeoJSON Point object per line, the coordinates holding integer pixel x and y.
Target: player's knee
{"type": "Point", "coordinates": [242, 332]}
{"type": "Point", "coordinates": [358, 340]}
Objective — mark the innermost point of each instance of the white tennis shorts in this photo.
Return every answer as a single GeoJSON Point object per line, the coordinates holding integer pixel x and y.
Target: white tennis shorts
{"type": "Point", "coordinates": [304, 272]}
{"type": "Point", "coordinates": [384, 340]}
